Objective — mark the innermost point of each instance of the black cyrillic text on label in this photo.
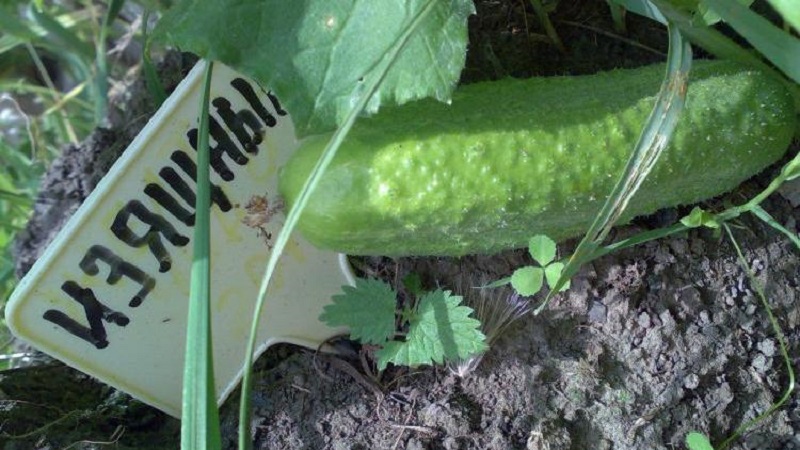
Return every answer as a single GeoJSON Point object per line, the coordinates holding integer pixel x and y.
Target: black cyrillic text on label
{"type": "Point", "coordinates": [237, 135]}
{"type": "Point", "coordinates": [224, 146]}
{"type": "Point", "coordinates": [159, 226]}
{"type": "Point", "coordinates": [176, 182]}
{"type": "Point", "coordinates": [94, 311]}
{"type": "Point", "coordinates": [237, 121]}
{"type": "Point", "coordinates": [117, 269]}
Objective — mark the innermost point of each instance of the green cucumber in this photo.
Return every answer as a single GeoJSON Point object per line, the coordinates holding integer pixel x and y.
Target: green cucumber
{"type": "Point", "coordinates": [511, 159]}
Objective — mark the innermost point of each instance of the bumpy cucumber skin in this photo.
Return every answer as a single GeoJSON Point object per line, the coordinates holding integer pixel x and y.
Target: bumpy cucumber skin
{"type": "Point", "coordinates": [511, 159]}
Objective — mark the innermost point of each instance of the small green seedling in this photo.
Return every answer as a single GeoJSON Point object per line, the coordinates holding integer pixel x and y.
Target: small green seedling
{"type": "Point", "coordinates": [440, 328]}
{"type": "Point", "coordinates": [529, 280]}
{"type": "Point", "coordinates": [710, 17]}
{"type": "Point", "coordinates": [698, 441]}
{"type": "Point", "coordinates": [413, 283]}
{"type": "Point", "coordinates": [700, 218]}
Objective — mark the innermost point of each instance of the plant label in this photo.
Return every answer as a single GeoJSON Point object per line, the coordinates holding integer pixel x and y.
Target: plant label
{"type": "Point", "coordinates": [110, 294]}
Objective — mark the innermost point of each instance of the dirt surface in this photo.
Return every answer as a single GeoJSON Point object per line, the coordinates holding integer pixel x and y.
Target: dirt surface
{"type": "Point", "coordinates": [650, 343]}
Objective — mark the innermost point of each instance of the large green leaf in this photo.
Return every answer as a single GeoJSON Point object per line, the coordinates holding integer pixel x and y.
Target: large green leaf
{"type": "Point", "coordinates": [367, 309]}
{"type": "Point", "coordinates": [441, 329]}
{"type": "Point", "coordinates": [317, 55]}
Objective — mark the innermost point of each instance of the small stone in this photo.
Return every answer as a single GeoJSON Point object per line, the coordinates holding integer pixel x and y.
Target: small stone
{"type": "Point", "coordinates": [698, 247]}
{"type": "Point", "coordinates": [597, 312]}
{"type": "Point", "coordinates": [689, 295]}
{"type": "Point", "coordinates": [760, 363]}
{"type": "Point", "coordinates": [679, 246]}
{"type": "Point", "coordinates": [691, 381]}
{"type": "Point", "coordinates": [767, 347]}
{"type": "Point", "coordinates": [644, 320]}
{"type": "Point", "coordinates": [791, 224]}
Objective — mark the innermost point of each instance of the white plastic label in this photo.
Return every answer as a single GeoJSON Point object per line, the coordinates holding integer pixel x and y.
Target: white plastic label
{"type": "Point", "coordinates": [110, 294]}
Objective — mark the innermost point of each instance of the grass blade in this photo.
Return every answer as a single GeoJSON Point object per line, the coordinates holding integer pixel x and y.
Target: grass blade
{"type": "Point", "coordinates": [10, 25]}
{"type": "Point", "coordinates": [63, 36]}
{"type": "Point", "coordinates": [62, 100]}
{"type": "Point", "coordinates": [643, 8]}
{"type": "Point", "coordinates": [101, 61]}
{"type": "Point", "coordinates": [618, 16]}
{"type": "Point", "coordinates": [759, 212]}
{"type": "Point", "coordinates": [23, 87]}
{"type": "Point", "coordinates": [653, 140]}
{"type": "Point", "coordinates": [717, 43]}
{"type": "Point", "coordinates": [710, 39]}
{"type": "Point", "coordinates": [544, 20]}
{"type": "Point", "coordinates": [789, 10]}
{"type": "Point", "coordinates": [11, 40]}
{"type": "Point", "coordinates": [15, 198]}
{"type": "Point", "coordinates": [776, 45]}
{"type": "Point", "coordinates": [776, 328]}
{"type": "Point", "coordinates": [199, 416]}
{"type": "Point", "coordinates": [153, 83]}
{"type": "Point", "coordinates": [68, 131]}
{"type": "Point", "coordinates": [294, 213]}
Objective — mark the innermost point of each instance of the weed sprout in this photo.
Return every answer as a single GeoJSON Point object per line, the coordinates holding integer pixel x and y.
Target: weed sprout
{"type": "Point", "coordinates": [496, 309]}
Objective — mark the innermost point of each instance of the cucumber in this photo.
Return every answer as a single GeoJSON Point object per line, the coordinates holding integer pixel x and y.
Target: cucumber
{"type": "Point", "coordinates": [511, 159]}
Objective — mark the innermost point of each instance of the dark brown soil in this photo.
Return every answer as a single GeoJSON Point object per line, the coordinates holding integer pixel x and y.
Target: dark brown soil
{"type": "Point", "coordinates": [650, 343]}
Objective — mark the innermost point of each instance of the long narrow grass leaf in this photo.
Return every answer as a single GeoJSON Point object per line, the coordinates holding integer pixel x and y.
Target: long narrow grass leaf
{"type": "Point", "coordinates": [788, 172]}
{"type": "Point", "coordinates": [706, 37]}
{"type": "Point", "coordinates": [544, 20]}
{"type": "Point", "coordinates": [65, 38]}
{"type": "Point", "coordinates": [780, 47]}
{"type": "Point", "coordinates": [23, 87]}
{"type": "Point", "coordinates": [789, 10]}
{"type": "Point", "coordinates": [643, 8]}
{"type": "Point", "coordinates": [639, 239]}
{"type": "Point", "coordinates": [11, 41]}
{"type": "Point", "coordinates": [653, 140]}
{"type": "Point", "coordinates": [618, 16]}
{"type": "Point", "coordinates": [153, 83]}
{"type": "Point", "coordinates": [15, 197]}
{"type": "Point", "coordinates": [776, 328]}
{"type": "Point", "coordinates": [717, 43]}
{"type": "Point", "coordinates": [369, 89]}
{"type": "Point", "coordinates": [759, 212]}
{"type": "Point", "coordinates": [199, 416]}
{"type": "Point", "coordinates": [63, 100]}
{"type": "Point", "coordinates": [11, 25]}
{"type": "Point", "coordinates": [101, 61]}
{"type": "Point", "coordinates": [66, 125]}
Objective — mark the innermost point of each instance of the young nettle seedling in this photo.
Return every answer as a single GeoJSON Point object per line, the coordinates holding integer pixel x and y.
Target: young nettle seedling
{"type": "Point", "coordinates": [529, 280]}
{"type": "Point", "coordinates": [439, 327]}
